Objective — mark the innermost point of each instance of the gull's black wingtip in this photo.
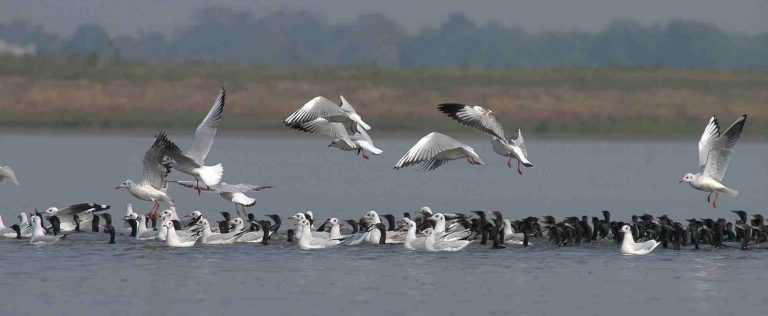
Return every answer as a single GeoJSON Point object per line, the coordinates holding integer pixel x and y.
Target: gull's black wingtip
{"type": "Point", "coordinates": [449, 108]}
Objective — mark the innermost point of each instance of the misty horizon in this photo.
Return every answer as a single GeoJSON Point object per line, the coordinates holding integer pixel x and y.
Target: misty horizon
{"type": "Point", "coordinates": [131, 18]}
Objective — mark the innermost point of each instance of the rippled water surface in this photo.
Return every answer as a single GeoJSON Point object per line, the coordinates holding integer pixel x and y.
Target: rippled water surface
{"type": "Point", "coordinates": [85, 276]}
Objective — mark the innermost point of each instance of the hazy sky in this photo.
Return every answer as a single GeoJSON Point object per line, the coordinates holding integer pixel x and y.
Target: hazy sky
{"type": "Point", "coordinates": [129, 16]}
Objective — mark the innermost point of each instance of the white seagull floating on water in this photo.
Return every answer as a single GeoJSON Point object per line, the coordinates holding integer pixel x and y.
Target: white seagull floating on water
{"type": "Point", "coordinates": [192, 162]}
{"type": "Point", "coordinates": [413, 242]}
{"type": "Point", "coordinates": [173, 240]}
{"type": "Point", "coordinates": [433, 150]}
{"type": "Point", "coordinates": [307, 242]}
{"type": "Point", "coordinates": [431, 244]}
{"type": "Point", "coordinates": [38, 234]}
{"type": "Point", "coordinates": [630, 247]}
{"type": "Point", "coordinates": [210, 238]}
{"type": "Point", "coordinates": [485, 121]}
{"type": "Point", "coordinates": [714, 155]}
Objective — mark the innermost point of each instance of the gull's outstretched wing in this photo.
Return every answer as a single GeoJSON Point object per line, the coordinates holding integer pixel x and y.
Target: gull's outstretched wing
{"type": "Point", "coordinates": [242, 187]}
{"type": "Point", "coordinates": [520, 143]}
{"type": "Point", "coordinates": [474, 116]}
{"type": "Point", "coordinates": [324, 127]}
{"type": "Point", "coordinates": [156, 168]}
{"type": "Point", "coordinates": [206, 132]}
{"type": "Point", "coordinates": [315, 108]}
{"type": "Point", "coordinates": [721, 149]}
{"type": "Point", "coordinates": [426, 149]}
{"type": "Point", "coordinates": [711, 132]}
{"type": "Point", "coordinates": [193, 185]}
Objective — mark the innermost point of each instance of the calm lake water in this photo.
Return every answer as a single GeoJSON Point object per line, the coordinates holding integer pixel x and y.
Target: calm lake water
{"type": "Point", "coordinates": [84, 276]}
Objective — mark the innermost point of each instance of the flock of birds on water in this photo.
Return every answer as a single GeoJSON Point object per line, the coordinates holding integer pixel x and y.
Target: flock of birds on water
{"type": "Point", "coordinates": [427, 231]}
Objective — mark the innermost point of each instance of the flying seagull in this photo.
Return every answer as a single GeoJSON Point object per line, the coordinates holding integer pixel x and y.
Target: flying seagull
{"type": "Point", "coordinates": [192, 162]}
{"type": "Point", "coordinates": [434, 150]}
{"type": "Point", "coordinates": [361, 143]}
{"type": "Point", "coordinates": [484, 120]}
{"type": "Point", "coordinates": [153, 185]}
{"type": "Point", "coordinates": [234, 193]}
{"type": "Point", "coordinates": [322, 108]}
{"type": "Point", "coordinates": [715, 151]}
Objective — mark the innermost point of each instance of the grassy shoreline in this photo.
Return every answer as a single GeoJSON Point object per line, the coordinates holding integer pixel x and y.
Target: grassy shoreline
{"type": "Point", "coordinates": [76, 95]}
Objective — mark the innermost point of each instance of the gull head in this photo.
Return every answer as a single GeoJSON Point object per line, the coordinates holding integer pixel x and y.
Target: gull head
{"type": "Point", "coordinates": [371, 214]}
{"type": "Point", "coordinates": [168, 225]}
{"type": "Point", "coordinates": [236, 224]}
{"type": "Point", "coordinates": [51, 211]}
{"type": "Point", "coordinates": [333, 143]}
{"type": "Point", "coordinates": [166, 214]}
{"type": "Point", "coordinates": [126, 184]}
{"type": "Point", "coordinates": [624, 229]}
{"type": "Point", "coordinates": [333, 221]}
{"type": "Point", "coordinates": [302, 222]}
{"type": "Point", "coordinates": [688, 177]}
{"type": "Point", "coordinates": [194, 215]}
{"type": "Point", "coordinates": [437, 217]}
{"type": "Point", "coordinates": [204, 223]}
{"type": "Point", "coordinates": [298, 216]}
{"type": "Point", "coordinates": [426, 211]}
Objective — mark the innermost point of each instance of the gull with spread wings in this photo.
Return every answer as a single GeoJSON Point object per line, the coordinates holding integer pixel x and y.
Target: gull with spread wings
{"type": "Point", "coordinates": [192, 162]}
{"type": "Point", "coordinates": [153, 185]}
{"type": "Point", "coordinates": [320, 109]}
{"type": "Point", "coordinates": [715, 151]}
{"type": "Point", "coordinates": [234, 193]}
{"type": "Point", "coordinates": [433, 150]}
{"type": "Point", "coordinates": [484, 120]}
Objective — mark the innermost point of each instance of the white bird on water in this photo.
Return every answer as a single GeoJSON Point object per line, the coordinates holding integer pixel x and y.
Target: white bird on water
{"type": "Point", "coordinates": [38, 235]}
{"type": "Point", "coordinates": [484, 120]}
{"type": "Point", "coordinates": [434, 150]}
{"type": "Point", "coordinates": [234, 193]}
{"type": "Point", "coordinates": [173, 240]}
{"type": "Point", "coordinates": [412, 242]}
{"type": "Point", "coordinates": [5, 231]}
{"type": "Point", "coordinates": [306, 242]}
{"type": "Point", "coordinates": [144, 233]}
{"type": "Point", "coordinates": [192, 162]}
{"type": "Point", "coordinates": [210, 238]}
{"type": "Point", "coordinates": [7, 174]}
{"type": "Point", "coordinates": [630, 247]}
{"type": "Point", "coordinates": [431, 244]}
{"type": "Point", "coordinates": [153, 184]}
{"type": "Point", "coordinates": [714, 155]}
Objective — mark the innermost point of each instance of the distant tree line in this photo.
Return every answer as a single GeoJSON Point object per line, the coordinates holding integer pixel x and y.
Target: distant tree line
{"type": "Point", "coordinates": [225, 35]}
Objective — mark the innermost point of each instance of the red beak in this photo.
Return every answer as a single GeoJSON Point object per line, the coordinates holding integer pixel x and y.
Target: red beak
{"type": "Point", "coordinates": [681, 181]}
